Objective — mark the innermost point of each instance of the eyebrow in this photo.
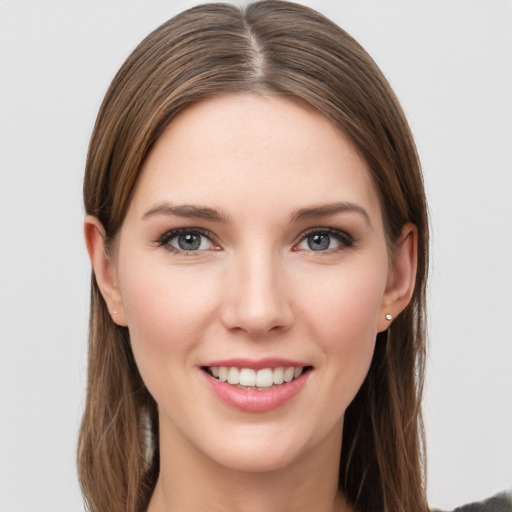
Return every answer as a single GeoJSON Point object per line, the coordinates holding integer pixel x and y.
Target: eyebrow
{"type": "Point", "coordinates": [204, 212]}
{"type": "Point", "coordinates": [329, 209]}
{"type": "Point", "coordinates": [186, 210]}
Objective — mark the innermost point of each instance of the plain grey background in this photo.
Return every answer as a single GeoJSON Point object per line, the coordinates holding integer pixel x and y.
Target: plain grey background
{"type": "Point", "coordinates": [450, 63]}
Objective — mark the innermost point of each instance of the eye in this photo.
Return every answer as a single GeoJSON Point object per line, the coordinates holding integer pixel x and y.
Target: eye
{"type": "Point", "coordinates": [321, 240]}
{"type": "Point", "coordinates": [187, 240]}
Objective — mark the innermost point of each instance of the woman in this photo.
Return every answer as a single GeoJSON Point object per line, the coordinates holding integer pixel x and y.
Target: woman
{"type": "Point", "coordinates": [257, 227]}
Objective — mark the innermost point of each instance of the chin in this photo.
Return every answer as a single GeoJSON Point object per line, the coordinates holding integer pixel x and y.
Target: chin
{"type": "Point", "coordinates": [260, 450]}
{"type": "Point", "coordinates": [256, 459]}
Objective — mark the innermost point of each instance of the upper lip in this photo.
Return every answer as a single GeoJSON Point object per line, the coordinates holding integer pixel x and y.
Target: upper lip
{"type": "Point", "coordinates": [257, 364]}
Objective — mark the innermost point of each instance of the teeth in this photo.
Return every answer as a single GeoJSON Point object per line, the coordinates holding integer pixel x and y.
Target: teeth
{"type": "Point", "coordinates": [251, 378]}
{"type": "Point", "coordinates": [264, 378]}
{"type": "Point", "coordinates": [288, 374]}
{"type": "Point", "coordinates": [247, 377]}
{"type": "Point", "coordinates": [223, 374]}
{"type": "Point", "coordinates": [278, 376]}
{"type": "Point", "coordinates": [233, 375]}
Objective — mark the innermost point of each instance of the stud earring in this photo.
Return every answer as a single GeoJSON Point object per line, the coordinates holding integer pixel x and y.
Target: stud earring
{"type": "Point", "coordinates": [114, 312]}
{"type": "Point", "coordinates": [389, 317]}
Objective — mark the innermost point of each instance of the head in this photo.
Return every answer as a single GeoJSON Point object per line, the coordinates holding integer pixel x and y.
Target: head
{"type": "Point", "coordinates": [287, 56]}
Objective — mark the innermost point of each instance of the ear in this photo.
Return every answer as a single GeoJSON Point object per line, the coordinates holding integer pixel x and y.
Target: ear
{"type": "Point", "coordinates": [402, 277]}
{"type": "Point", "coordinates": [104, 267]}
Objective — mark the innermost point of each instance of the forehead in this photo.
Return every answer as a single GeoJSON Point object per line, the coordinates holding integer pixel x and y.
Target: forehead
{"type": "Point", "coordinates": [235, 152]}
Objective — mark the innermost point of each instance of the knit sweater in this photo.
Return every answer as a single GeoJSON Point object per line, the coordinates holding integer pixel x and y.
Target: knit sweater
{"type": "Point", "coordinates": [499, 503]}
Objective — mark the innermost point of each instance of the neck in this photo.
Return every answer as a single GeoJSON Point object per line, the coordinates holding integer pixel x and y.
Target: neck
{"type": "Point", "coordinates": [191, 481]}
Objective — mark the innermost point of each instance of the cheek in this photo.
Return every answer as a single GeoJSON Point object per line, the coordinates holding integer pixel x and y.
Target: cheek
{"type": "Point", "coordinates": [343, 318]}
{"type": "Point", "coordinates": [345, 304]}
{"type": "Point", "coordinates": [167, 310]}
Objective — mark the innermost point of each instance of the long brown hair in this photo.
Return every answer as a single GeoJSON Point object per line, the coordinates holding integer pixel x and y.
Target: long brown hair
{"type": "Point", "coordinates": [270, 48]}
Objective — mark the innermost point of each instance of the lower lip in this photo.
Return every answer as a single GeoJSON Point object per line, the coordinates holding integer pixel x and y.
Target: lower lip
{"type": "Point", "coordinates": [256, 401]}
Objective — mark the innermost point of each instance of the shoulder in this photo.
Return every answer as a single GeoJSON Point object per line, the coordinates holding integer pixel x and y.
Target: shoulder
{"type": "Point", "coordinates": [500, 503]}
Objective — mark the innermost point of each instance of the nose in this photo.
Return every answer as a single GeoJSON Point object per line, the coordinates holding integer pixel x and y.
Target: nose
{"type": "Point", "coordinates": [257, 298]}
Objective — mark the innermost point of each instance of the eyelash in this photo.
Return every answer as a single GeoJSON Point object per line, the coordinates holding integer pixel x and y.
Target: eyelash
{"type": "Point", "coordinates": [164, 240]}
{"type": "Point", "coordinates": [346, 241]}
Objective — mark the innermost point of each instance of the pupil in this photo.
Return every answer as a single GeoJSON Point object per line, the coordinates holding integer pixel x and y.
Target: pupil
{"type": "Point", "coordinates": [318, 242]}
{"type": "Point", "coordinates": [189, 242]}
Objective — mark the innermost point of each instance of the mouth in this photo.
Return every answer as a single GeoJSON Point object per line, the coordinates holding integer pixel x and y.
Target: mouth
{"type": "Point", "coordinates": [264, 379]}
{"type": "Point", "coordinates": [256, 386]}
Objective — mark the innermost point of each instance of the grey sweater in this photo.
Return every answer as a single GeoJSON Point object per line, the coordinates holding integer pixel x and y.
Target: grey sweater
{"type": "Point", "coordinates": [499, 503]}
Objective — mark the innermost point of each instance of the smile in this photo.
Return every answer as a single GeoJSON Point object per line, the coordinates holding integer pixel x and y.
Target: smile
{"type": "Point", "coordinates": [256, 386]}
{"type": "Point", "coordinates": [248, 378]}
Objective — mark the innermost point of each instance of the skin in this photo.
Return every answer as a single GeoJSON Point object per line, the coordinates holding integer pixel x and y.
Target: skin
{"type": "Point", "coordinates": [254, 289]}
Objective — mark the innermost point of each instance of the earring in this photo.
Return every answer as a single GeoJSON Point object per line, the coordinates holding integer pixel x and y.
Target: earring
{"type": "Point", "coordinates": [114, 312]}
{"type": "Point", "coordinates": [389, 317]}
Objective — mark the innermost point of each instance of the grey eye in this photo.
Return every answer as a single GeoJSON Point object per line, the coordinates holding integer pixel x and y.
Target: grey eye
{"type": "Point", "coordinates": [319, 241]}
{"type": "Point", "coordinates": [325, 240]}
{"type": "Point", "coordinates": [190, 241]}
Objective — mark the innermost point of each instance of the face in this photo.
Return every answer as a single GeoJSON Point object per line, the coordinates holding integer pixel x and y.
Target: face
{"type": "Point", "coordinates": [253, 251]}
